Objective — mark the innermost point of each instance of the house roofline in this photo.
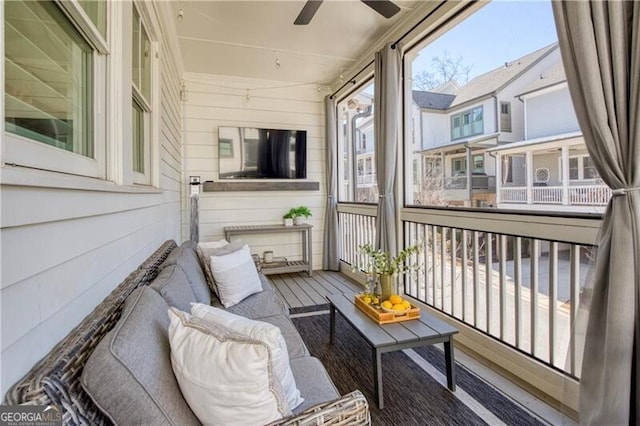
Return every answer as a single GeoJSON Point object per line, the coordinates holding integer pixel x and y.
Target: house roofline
{"type": "Point", "coordinates": [542, 88]}
{"type": "Point", "coordinates": [558, 138]}
{"type": "Point", "coordinates": [468, 143]}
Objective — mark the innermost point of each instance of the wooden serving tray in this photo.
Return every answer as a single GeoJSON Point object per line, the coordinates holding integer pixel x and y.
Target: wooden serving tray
{"type": "Point", "coordinates": [382, 317]}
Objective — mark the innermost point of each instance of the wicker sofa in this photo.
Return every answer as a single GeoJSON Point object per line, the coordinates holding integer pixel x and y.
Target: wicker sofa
{"type": "Point", "coordinates": [56, 379]}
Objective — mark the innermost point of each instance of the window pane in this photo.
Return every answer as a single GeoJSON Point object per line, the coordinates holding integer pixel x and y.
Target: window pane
{"type": "Point", "coordinates": [145, 62]}
{"type": "Point", "coordinates": [137, 125]}
{"type": "Point", "coordinates": [356, 143]}
{"type": "Point", "coordinates": [135, 48]}
{"type": "Point", "coordinates": [97, 11]}
{"type": "Point", "coordinates": [590, 171]}
{"type": "Point", "coordinates": [48, 78]}
{"type": "Point", "coordinates": [573, 168]}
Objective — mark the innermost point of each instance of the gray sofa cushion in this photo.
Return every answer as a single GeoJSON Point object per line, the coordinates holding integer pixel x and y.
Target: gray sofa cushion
{"type": "Point", "coordinates": [313, 381]}
{"type": "Point", "coordinates": [129, 375]}
{"type": "Point", "coordinates": [174, 287]}
{"type": "Point", "coordinates": [259, 305]}
{"type": "Point", "coordinates": [295, 344]}
{"type": "Point", "coordinates": [186, 258]}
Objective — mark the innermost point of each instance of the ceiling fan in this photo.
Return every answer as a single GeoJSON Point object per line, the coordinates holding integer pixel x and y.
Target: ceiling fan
{"type": "Point", "coordinates": [385, 8]}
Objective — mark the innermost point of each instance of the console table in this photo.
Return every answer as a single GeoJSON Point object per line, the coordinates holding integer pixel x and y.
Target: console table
{"type": "Point", "coordinates": [292, 266]}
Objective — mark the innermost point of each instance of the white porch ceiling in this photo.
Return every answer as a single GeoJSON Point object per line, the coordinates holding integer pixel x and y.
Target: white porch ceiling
{"type": "Point", "coordinates": [244, 38]}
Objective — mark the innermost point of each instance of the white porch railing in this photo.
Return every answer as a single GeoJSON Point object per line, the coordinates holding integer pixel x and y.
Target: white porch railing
{"type": "Point", "coordinates": [589, 195]}
{"type": "Point", "coordinates": [366, 179]}
{"type": "Point", "coordinates": [514, 194]}
{"type": "Point", "coordinates": [578, 195]}
{"type": "Point", "coordinates": [546, 195]}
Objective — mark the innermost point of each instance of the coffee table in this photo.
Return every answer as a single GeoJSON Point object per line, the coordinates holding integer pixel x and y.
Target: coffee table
{"type": "Point", "coordinates": [422, 331]}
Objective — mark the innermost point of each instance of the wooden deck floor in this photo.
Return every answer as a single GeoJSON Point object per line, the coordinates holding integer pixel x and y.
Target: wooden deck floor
{"type": "Point", "coordinates": [300, 291]}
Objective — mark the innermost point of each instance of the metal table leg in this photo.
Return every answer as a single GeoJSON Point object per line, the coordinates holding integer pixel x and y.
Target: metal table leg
{"type": "Point", "coordinates": [332, 323]}
{"type": "Point", "coordinates": [377, 376]}
{"type": "Point", "coordinates": [451, 364]}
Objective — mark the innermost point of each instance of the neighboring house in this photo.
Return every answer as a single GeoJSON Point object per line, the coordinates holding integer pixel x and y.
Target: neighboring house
{"type": "Point", "coordinates": [533, 170]}
{"type": "Point", "coordinates": [456, 126]}
{"type": "Point", "coordinates": [358, 149]}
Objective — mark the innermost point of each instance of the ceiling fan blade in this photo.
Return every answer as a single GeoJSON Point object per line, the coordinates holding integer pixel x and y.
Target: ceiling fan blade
{"type": "Point", "coordinates": [308, 10]}
{"type": "Point", "coordinates": [385, 8]}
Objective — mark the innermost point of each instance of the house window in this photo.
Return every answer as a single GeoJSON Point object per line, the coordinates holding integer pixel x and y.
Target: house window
{"type": "Point", "coordinates": [581, 167]}
{"type": "Point", "coordinates": [467, 123]}
{"type": "Point", "coordinates": [48, 78]}
{"type": "Point", "coordinates": [478, 164]}
{"type": "Point", "coordinates": [356, 142]}
{"type": "Point", "coordinates": [141, 73]}
{"type": "Point", "coordinates": [96, 11]}
{"type": "Point", "coordinates": [505, 116]}
{"type": "Point", "coordinates": [51, 87]}
{"type": "Point", "coordinates": [458, 166]}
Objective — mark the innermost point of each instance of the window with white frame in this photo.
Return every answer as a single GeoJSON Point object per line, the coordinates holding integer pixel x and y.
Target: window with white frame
{"type": "Point", "coordinates": [467, 123]}
{"type": "Point", "coordinates": [505, 116]}
{"type": "Point", "coordinates": [355, 143]}
{"type": "Point", "coordinates": [581, 167]}
{"type": "Point", "coordinates": [51, 85]}
{"type": "Point", "coordinates": [141, 88]}
{"type": "Point", "coordinates": [458, 166]}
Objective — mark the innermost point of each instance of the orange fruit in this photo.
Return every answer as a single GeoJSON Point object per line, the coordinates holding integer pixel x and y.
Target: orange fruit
{"type": "Point", "coordinates": [399, 307]}
{"type": "Point", "coordinates": [387, 305]}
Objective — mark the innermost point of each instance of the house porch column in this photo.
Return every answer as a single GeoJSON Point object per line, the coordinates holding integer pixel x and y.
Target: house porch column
{"type": "Point", "coordinates": [565, 176]}
{"type": "Point", "coordinates": [498, 178]}
{"type": "Point", "coordinates": [529, 175]}
{"type": "Point", "coordinates": [469, 183]}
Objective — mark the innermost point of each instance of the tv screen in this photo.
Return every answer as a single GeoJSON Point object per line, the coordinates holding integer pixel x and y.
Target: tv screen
{"type": "Point", "coordinates": [252, 153]}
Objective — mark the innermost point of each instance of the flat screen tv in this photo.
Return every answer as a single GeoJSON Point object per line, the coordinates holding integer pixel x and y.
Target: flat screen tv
{"type": "Point", "coordinates": [253, 153]}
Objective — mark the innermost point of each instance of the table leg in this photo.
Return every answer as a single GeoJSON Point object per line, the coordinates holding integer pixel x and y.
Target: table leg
{"type": "Point", "coordinates": [377, 376]}
{"type": "Point", "coordinates": [451, 364]}
{"type": "Point", "coordinates": [309, 252]}
{"type": "Point", "coordinates": [332, 323]}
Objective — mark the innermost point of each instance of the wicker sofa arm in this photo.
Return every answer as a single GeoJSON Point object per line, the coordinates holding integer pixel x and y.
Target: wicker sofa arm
{"type": "Point", "coordinates": [351, 409]}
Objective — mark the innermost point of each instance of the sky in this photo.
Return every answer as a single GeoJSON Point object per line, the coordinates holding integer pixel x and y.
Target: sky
{"type": "Point", "coordinates": [499, 32]}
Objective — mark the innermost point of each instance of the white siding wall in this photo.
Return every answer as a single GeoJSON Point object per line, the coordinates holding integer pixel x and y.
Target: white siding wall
{"type": "Point", "coordinates": [436, 129]}
{"type": "Point", "coordinates": [519, 86]}
{"type": "Point", "coordinates": [550, 114]}
{"type": "Point", "coordinates": [222, 101]}
{"type": "Point", "coordinates": [68, 242]}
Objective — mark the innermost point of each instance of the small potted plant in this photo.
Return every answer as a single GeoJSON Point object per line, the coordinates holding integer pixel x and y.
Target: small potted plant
{"type": "Point", "coordinates": [300, 213]}
{"type": "Point", "coordinates": [288, 218]}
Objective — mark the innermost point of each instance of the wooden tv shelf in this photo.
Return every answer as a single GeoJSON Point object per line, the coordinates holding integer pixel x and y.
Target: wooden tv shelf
{"type": "Point", "coordinates": [285, 185]}
{"type": "Point", "coordinates": [291, 266]}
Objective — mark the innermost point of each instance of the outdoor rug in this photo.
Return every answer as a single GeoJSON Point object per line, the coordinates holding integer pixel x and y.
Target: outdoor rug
{"type": "Point", "coordinates": [411, 395]}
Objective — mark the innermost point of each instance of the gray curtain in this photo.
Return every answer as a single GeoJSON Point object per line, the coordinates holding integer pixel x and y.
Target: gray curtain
{"type": "Point", "coordinates": [330, 254]}
{"type": "Point", "coordinates": [600, 45]}
{"type": "Point", "coordinates": [386, 108]}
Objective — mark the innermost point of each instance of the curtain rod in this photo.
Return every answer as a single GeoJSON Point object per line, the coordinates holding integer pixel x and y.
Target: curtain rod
{"type": "Point", "coordinates": [395, 43]}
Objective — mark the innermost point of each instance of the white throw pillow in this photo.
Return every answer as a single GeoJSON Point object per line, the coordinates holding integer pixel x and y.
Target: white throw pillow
{"type": "Point", "coordinates": [268, 333]}
{"type": "Point", "coordinates": [226, 378]}
{"type": "Point", "coordinates": [206, 250]}
{"type": "Point", "coordinates": [235, 275]}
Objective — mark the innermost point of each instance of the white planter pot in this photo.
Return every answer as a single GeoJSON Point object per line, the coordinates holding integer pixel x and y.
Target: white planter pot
{"type": "Point", "coordinates": [300, 220]}
{"type": "Point", "coordinates": [288, 222]}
